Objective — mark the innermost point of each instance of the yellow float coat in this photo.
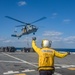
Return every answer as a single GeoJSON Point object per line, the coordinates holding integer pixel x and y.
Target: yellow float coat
{"type": "Point", "coordinates": [46, 56]}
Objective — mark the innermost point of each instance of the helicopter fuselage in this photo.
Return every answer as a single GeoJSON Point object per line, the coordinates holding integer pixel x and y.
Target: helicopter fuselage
{"type": "Point", "coordinates": [29, 29]}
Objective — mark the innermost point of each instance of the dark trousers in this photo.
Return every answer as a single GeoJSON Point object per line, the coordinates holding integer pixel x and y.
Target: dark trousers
{"type": "Point", "coordinates": [47, 72]}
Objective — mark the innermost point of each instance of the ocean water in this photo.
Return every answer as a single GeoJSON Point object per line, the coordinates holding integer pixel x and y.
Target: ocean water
{"type": "Point", "coordinates": [17, 48]}
{"type": "Point", "coordinates": [58, 49]}
{"type": "Point", "coordinates": [65, 50]}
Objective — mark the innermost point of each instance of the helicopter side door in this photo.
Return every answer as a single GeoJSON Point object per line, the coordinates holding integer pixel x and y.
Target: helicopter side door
{"type": "Point", "coordinates": [29, 28]}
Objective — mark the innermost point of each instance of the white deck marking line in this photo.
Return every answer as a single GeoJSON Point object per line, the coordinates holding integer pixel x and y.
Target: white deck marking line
{"type": "Point", "coordinates": [11, 72]}
{"type": "Point", "coordinates": [57, 67]}
{"type": "Point", "coordinates": [20, 60]}
{"type": "Point", "coordinates": [27, 70]}
{"type": "Point", "coordinates": [57, 73]}
{"type": "Point", "coordinates": [10, 61]}
{"type": "Point", "coordinates": [65, 65]}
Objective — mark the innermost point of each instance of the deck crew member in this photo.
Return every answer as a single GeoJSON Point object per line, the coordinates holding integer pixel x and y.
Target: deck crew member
{"type": "Point", "coordinates": [46, 56]}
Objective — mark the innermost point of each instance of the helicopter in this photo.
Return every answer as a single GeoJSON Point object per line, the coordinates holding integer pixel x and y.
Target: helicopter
{"type": "Point", "coordinates": [27, 28]}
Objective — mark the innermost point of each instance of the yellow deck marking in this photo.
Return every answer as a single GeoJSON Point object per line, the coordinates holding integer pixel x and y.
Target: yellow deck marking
{"type": "Point", "coordinates": [71, 68]}
{"type": "Point", "coordinates": [21, 74]}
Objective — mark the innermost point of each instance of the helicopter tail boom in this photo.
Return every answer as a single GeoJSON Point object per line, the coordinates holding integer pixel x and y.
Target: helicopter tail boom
{"type": "Point", "coordinates": [14, 35]}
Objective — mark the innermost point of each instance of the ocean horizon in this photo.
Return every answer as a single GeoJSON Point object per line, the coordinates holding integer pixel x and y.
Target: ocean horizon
{"type": "Point", "coordinates": [57, 49]}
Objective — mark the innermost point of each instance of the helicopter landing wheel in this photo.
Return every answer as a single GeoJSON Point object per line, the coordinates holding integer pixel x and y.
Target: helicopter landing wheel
{"type": "Point", "coordinates": [33, 33]}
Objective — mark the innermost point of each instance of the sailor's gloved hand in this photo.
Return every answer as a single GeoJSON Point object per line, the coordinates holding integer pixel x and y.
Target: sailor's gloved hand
{"type": "Point", "coordinates": [68, 53]}
{"type": "Point", "coordinates": [33, 38]}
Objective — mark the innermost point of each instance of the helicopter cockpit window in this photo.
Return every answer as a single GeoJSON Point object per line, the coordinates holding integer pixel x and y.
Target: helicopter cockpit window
{"type": "Point", "coordinates": [34, 27]}
{"type": "Point", "coordinates": [29, 27]}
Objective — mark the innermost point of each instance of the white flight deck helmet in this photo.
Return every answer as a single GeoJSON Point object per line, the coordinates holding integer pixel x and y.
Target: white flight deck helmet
{"type": "Point", "coordinates": [46, 43]}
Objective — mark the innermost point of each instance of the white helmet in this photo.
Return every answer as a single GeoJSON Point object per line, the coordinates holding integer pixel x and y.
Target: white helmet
{"type": "Point", "coordinates": [46, 43]}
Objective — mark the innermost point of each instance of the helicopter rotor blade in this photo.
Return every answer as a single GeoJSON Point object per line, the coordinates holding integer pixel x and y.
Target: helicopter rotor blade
{"type": "Point", "coordinates": [39, 20]}
{"type": "Point", "coordinates": [15, 19]}
{"type": "Point", "coordinates": [20, 25]}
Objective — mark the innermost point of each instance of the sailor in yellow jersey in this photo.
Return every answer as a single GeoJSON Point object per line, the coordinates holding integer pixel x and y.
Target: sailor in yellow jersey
{"type": "Point", "coordinates": [46, 56]}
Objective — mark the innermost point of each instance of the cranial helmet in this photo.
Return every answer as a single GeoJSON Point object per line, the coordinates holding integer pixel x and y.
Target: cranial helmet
{"type": "Point", "coordinates": [46, 43]}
